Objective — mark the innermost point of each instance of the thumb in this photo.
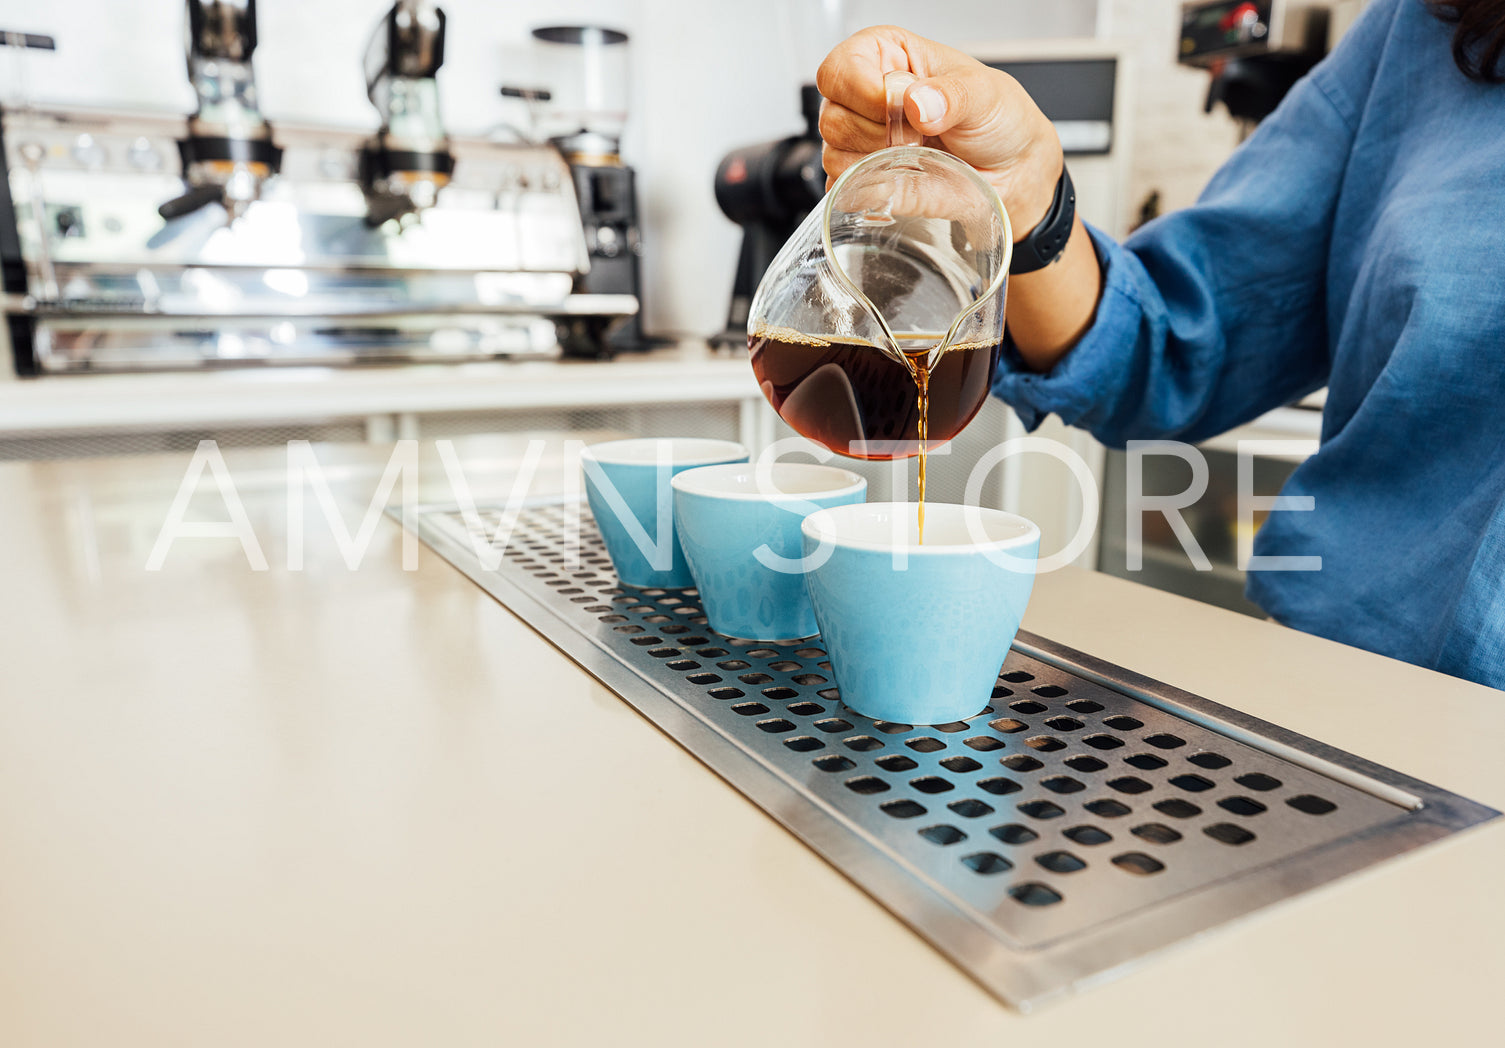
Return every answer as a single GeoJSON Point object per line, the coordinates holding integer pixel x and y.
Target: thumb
{"type": "Point", "coordinates": [936, 104]}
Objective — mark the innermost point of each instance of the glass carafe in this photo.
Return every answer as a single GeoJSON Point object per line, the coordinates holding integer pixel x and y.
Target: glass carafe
{"type": "Point", "coordinates": [889, 294]}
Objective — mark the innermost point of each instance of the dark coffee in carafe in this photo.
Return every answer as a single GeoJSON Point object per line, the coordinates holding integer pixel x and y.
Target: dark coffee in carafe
{"type": "Point", "coordinates": [857, 400]}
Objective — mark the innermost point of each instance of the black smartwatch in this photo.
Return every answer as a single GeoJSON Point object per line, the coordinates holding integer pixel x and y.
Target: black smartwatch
{"type": "Point", "coordinates": [1046, 241]}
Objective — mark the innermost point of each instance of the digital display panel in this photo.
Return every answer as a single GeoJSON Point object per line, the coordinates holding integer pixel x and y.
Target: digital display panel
{"type": "Point", "coordinates": [1223, 28]}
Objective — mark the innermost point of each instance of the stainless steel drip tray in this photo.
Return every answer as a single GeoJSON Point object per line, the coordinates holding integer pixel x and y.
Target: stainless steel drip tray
{"type": "Point", "coordinates": [1086, 817]}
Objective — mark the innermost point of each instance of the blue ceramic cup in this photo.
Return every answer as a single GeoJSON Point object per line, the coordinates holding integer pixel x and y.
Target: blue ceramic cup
{"type": "Point", "coordinates": [740, 529]}
{"type": "Point", "coordinates": [917, 633]}
{"type": "Point", "coordinates": [627, 486]}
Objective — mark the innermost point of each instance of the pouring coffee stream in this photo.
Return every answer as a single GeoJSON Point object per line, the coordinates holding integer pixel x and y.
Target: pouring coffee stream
{"type": "Point", "coordinates": [877, 329]}
{"type": "Point", "coordinates": [900, 133]}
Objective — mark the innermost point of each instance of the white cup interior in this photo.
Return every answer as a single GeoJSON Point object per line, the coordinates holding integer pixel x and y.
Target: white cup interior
{"type": "Point", "coordinates": [682, 451]}
{"type": "Point", "coordinates": [775, 482]}
{"type": "Point", "coordinates": [949, 528]}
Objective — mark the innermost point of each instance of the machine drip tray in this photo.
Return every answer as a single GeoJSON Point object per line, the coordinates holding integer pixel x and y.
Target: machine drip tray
{"type": "Point", "coordinates": [1086, 817]}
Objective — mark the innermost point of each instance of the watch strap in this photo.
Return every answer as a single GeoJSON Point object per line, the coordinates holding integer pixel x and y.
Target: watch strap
{"type": "Point", "coordinates": [1046, 241]}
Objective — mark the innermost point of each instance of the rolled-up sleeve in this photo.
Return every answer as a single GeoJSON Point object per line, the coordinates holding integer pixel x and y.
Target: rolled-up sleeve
{"type": "Point", "coordinates": [1214, 314]}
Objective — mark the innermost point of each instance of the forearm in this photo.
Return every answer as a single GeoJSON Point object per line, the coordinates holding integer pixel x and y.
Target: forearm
{"type": "Point", "coordinates": [986, 118]}
{"type": "Point", "coordinates": [1203, 319]}
{"type": "Point", "coordinates": [1172, 353]}
{"type": "Point", "coordinates": [1050, 309]}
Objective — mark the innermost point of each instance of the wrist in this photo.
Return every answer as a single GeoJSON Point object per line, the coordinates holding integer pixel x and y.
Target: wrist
{"type": "Point", "coordinates": [1033, 187]}
{"type": "Point", "coordinates": [1043, 245]}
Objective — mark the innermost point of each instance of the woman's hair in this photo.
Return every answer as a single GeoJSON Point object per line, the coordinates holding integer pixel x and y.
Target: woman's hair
{"type": "Point", "coordinates": [1479, 40]}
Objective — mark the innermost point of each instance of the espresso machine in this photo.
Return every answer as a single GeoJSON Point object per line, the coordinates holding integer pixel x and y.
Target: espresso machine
{"type": "Point", "coordinates": [228, 153]}
{"type": "Point", "coordinates": [409, 161]}
{"type": "Point", "coordinates": [1255, 50]}
{"type": "Point", "coordinates": [131, 242]}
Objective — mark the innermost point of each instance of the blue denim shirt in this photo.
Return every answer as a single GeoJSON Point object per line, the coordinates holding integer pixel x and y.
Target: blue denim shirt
{"type": "Point", "coordinates": [1356, 240]}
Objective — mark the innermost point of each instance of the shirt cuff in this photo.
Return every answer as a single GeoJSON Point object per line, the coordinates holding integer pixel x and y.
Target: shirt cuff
{"type": "Point", "coordinates": [1084, 385]}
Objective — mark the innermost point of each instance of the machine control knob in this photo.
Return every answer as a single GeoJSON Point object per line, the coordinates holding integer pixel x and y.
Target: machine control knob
{"type": "Point", "coordinates": [143, 156]}
{"type": "Point", "coordinates": [69, 222]}
{"type": "Point", "coordinates": [607, 243]}
{"type": "Point", "coordinates": [1243, 24]}
{"type": "Point", "coordinates": [87, 152]}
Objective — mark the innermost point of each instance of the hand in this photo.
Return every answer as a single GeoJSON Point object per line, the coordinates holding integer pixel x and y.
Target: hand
{"type": "Point", "coordinates": [984, 117]}
{"type": "Point", "coordinates": [977, 113]}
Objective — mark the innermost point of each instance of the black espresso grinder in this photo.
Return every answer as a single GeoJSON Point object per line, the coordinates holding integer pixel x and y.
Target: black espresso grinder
{"type": "Point", "coordinates": [768, 189]}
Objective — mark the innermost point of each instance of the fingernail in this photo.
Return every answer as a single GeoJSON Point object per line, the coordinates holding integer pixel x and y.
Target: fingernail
{"type": "Point", "coordinates": [930, 102]}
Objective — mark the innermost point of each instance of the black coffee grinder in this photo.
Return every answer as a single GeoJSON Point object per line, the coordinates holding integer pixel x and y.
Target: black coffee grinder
{"type": "Point", "coordinates": [768, 189]}
{"type": "Point", "coordinates": [592, 106]}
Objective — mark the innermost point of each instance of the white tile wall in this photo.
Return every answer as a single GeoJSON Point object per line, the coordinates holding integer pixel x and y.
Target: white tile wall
{"type": "Point", "coordinates": [1177, 146]}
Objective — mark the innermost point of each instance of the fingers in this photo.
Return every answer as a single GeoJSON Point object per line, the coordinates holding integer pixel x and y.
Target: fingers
{"type": "Point", "coordinates": [852, 73]}
{"type": "Point", "coordinates": [977, 113]}
{"type": "Point", "coordinates": [956, 97]}
{"type": "Point", "coordinates": [841, 128]}
{"type": "Point", "coordinates": [835, 161]}
{"type": "Point", "coordinates": [937, 104]}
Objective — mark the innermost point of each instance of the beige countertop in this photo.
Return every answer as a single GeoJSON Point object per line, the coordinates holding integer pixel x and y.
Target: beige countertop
{"type": "Point", "coordinates": [373, 808]}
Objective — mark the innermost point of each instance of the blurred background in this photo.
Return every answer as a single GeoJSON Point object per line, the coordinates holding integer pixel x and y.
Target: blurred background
{"type": "Point", "coordinates": [704, 77]}
{"type": "Point", "coordinates": [257, 221]}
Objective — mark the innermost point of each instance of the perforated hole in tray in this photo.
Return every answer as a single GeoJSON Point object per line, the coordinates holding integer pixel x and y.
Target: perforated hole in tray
{"type": "Point", "coordinates": [1062, 806]}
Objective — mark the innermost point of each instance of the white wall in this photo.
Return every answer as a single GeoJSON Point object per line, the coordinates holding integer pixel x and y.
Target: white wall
{"type": "Point", "coordinates": [1177, 146]}
{"type": "Point", "coordinates": [708, 75]}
